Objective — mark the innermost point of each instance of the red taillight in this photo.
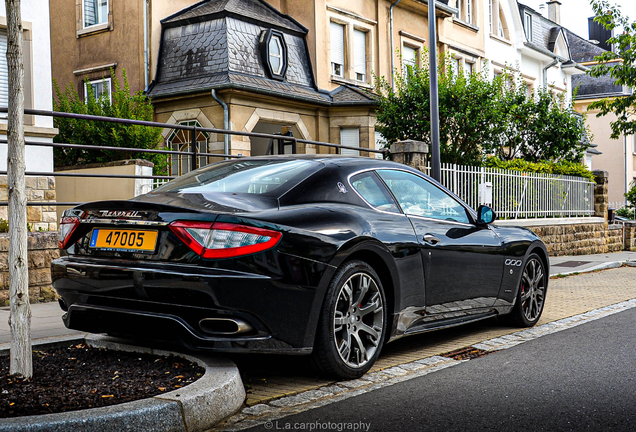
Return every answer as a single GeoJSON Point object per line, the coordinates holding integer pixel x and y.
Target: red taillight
{"type": "Point", "coordinates": [68, 225]}
{"type": "Point", "coordinates": [224, 240]}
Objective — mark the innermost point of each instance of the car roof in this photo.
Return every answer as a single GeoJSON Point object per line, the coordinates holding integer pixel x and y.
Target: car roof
{"type": "Point", "coordinates": [335, 160]}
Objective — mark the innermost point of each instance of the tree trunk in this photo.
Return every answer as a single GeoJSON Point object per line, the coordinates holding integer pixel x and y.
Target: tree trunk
{"type": "Point", "coordinates": [21, 362]}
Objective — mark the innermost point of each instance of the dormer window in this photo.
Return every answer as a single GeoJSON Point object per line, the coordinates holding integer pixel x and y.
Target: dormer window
{"type": "Point", "coordinates": [528, 21]}
{"type": "Point", "coordinates": [274, 54]}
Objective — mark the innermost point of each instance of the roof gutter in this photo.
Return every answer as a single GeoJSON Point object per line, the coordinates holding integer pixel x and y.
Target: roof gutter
{"type": "Point", "coordinates": [145, 2]}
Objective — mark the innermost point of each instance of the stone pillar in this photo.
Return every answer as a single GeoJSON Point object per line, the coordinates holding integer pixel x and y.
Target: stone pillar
{"type": "Point", "coordinates": [601, 203]}
{"type": "Point", "coordinates": [411, 153]}
{"type": "Point", "coordinates": [629, 236]}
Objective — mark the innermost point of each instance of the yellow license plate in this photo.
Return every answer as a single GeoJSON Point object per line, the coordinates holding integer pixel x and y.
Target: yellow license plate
{"type": "Point", "coordinates": [124, 239]}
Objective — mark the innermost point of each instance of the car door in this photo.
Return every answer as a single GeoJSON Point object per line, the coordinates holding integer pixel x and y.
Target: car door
{"type": "Point", "coordinates": [463, 262]}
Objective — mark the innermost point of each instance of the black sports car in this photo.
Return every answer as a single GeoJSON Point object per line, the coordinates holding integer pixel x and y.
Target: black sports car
{"type": "Point", "coordinates": [321, 255]}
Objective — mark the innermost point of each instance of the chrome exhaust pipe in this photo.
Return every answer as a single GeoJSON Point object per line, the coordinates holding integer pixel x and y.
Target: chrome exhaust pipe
{"type": "Point", "coordinates": [224, 326]}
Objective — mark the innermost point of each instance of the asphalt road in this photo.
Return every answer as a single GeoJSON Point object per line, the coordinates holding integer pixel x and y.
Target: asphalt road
{"type": "Point", "coordinates": [581, 379]}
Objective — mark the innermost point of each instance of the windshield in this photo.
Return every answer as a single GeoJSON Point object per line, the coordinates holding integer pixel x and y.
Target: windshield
{"type": "Point", "coordinates": [249, 176]}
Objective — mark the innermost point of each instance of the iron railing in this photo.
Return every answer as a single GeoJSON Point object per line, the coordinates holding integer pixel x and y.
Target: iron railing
{"type": "Point", "coordinates": [194, 155]}
{"type": "Point", "coordinates": [516, 195]}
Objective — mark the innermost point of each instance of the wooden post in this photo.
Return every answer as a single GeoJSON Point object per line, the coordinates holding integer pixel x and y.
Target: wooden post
{"type": "Point", "coordinates": [21, 362]}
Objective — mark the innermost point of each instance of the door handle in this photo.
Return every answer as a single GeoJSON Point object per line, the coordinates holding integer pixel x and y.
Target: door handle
{"type": "Point", "coordinates": [430, 238]}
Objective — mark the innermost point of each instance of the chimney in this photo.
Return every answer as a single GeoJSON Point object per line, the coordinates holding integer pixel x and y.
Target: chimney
{"type": "Point", "coordinates": [554, 11]}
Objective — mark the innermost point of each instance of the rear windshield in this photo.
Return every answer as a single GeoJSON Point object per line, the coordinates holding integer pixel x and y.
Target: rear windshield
{"type": "Point", "coordinates": [262, 177]}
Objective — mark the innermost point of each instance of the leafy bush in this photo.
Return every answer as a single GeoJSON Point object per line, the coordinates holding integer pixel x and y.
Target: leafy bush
{"type": "Point", "coordinates": [546, 167]}
{"type": "Point", "coordinates": [96, 133]}
{"type": "Point", "coordinates": [479, 116]}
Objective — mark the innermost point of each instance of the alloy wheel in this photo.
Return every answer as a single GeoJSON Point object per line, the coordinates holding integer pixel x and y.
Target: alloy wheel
{"type": "Point", "coordinates": [533, 289]}
{"type": "Point", "coordinates": [358, 320]}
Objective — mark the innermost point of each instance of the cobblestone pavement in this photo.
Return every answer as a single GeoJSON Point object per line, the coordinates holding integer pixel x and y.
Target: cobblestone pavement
{"type": "Point", "coordinates": [276, 382]}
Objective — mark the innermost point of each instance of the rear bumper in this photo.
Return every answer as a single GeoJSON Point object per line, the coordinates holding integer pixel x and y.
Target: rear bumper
{"type": "Point", "coordinates": [167, 303]}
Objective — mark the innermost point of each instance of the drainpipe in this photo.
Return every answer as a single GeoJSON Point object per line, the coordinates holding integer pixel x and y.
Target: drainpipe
{"type": "Point", "coordinates": [545, 71]}
{"type": "Point", "coordinates": [145, 44]}
{"type": "Point", "coordinates": [392, 48]}
{"type": "Point", "coordinates": [226, 122]}
{"type": "Point", "coordinates": [625, 154]}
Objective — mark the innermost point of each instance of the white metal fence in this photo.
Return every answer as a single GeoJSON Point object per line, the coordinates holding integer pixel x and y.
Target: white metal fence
{"type": "Point", "coordinates": [516, 194]}
{"type": "Point", "coordinates": [620, 205]}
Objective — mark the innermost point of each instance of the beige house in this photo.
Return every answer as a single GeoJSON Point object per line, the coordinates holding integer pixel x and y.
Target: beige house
{"type": "Point", "coordinates": [616, 156]}
{"type": "Point", "coordinates": [307, 66]}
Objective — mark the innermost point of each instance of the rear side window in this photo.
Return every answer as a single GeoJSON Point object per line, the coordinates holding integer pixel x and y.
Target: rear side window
{"type": "Point", "coordinates": [373, 191]}
{"type": "Point", "coordinates": [262, 177]}
{"type": "Point", "coordinates": [420, 197]}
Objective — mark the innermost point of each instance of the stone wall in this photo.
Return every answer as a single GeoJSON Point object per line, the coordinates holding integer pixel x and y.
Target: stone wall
{"type": "Point", "coordinates": [39, 217]}
{"type": "Point", "coordinates": [43, 248]}
{"type": "Point", "coordinates": [580, 239]}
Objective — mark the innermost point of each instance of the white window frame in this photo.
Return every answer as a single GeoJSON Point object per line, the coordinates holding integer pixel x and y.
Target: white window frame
{"type": "Point", "coordinates": [336, 58]}
{"type": "Point", "coordinates": [101, 19]}
{"type": "Point", "coordinates": [276, 39]}
{"type": "Point", "coordinates": [528, 26]}
{"type": "Point", "coordinates": [469, 11]}
{"type": "Point", "coordinates": [350, 136]}
{"type": "Point", "coordinates": [459, 13]}
{"type": "Point", "coordinates": [491, 17]}
{"type": "Point", "coordinates": [360, 55]}
{"type": "Point", "coordinates": [469, 68]}
{"type": "Point", "coordinates": [408, 62]}
{"type": "Point", "coordinates": [99, 81]}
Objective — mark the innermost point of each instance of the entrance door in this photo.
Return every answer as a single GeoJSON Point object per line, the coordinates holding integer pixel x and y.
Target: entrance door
{"type": "Point", "coordinates": [463, 262]}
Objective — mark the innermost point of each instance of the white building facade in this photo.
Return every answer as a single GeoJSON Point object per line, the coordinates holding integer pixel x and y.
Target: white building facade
{"type": "Point", "coordinates": [37, 83]}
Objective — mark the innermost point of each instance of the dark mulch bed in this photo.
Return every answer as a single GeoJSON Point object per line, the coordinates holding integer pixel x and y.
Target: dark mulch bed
{"type": "Point", "coordinates": [79, 377]}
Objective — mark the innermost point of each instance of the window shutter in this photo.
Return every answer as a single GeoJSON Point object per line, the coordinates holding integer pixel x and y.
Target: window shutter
{"type": "Point", "coordinates": [4, 71]}
{"type": "Point", "coordinates": [337, 43]}
{"type": "Point", "coordinates": [360, 53]}
{"type": "Point", "coordinates": [350, 137]}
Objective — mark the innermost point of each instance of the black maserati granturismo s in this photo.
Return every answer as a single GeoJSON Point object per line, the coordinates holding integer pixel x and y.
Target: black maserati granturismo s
{"type": "Point", "coordinates": [328, 256]}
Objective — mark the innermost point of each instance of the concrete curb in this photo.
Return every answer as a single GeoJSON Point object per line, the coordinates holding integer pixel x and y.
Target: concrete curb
{"type": "Point", "coordinates": [602, 266]}
{"type": "Point", "coordinates": [218, 394]}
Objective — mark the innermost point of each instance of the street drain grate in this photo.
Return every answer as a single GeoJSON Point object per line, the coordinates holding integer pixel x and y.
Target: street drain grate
{"type": "Point", "coordinates": [571, 263]}
{"type": "Point", "coordinates": [467, 353]}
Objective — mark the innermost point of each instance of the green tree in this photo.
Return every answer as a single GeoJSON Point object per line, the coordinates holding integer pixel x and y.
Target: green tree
{"type": "Point", "coordinates": [620, 65]}
{"type": "Point", "coordinates": [479, 117]}
{"type": "Point", "coordinates": [97, 133]}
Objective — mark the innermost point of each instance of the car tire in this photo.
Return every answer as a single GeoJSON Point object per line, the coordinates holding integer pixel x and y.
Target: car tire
{"type": "Point", "coordinates": [530, 294]}
{"type": "Point", "coordinates": [353, 322]}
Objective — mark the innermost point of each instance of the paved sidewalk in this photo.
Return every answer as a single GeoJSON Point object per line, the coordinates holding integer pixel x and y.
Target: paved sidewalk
{"type": "Point", "coordinates": [46, 319]}
{"type": "Point", "coordinates": [46, 322]}
{"type": "Point", "coordinates": [585, 263]}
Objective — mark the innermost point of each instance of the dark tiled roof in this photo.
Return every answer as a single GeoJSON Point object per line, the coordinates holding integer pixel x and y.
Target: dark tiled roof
{"type": "Point", "coordinates": [590, 87]}
{"type": "Point", "coordinates": [544, 31]}
{"type": "Point", "coordinates": [345, 95]}
{"type": "Point", "coordinates": [581, 49]}
{"type": "Point", "coordinates": [234, 80]}
{"type": "Point", "coordinates": [216, 51]}
{"type": "Point", "coordinates": [256, 10]}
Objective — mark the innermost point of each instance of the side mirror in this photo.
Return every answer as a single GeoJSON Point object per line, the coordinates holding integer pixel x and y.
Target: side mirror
{"type": "Point", "coordinates": [485, 215]}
